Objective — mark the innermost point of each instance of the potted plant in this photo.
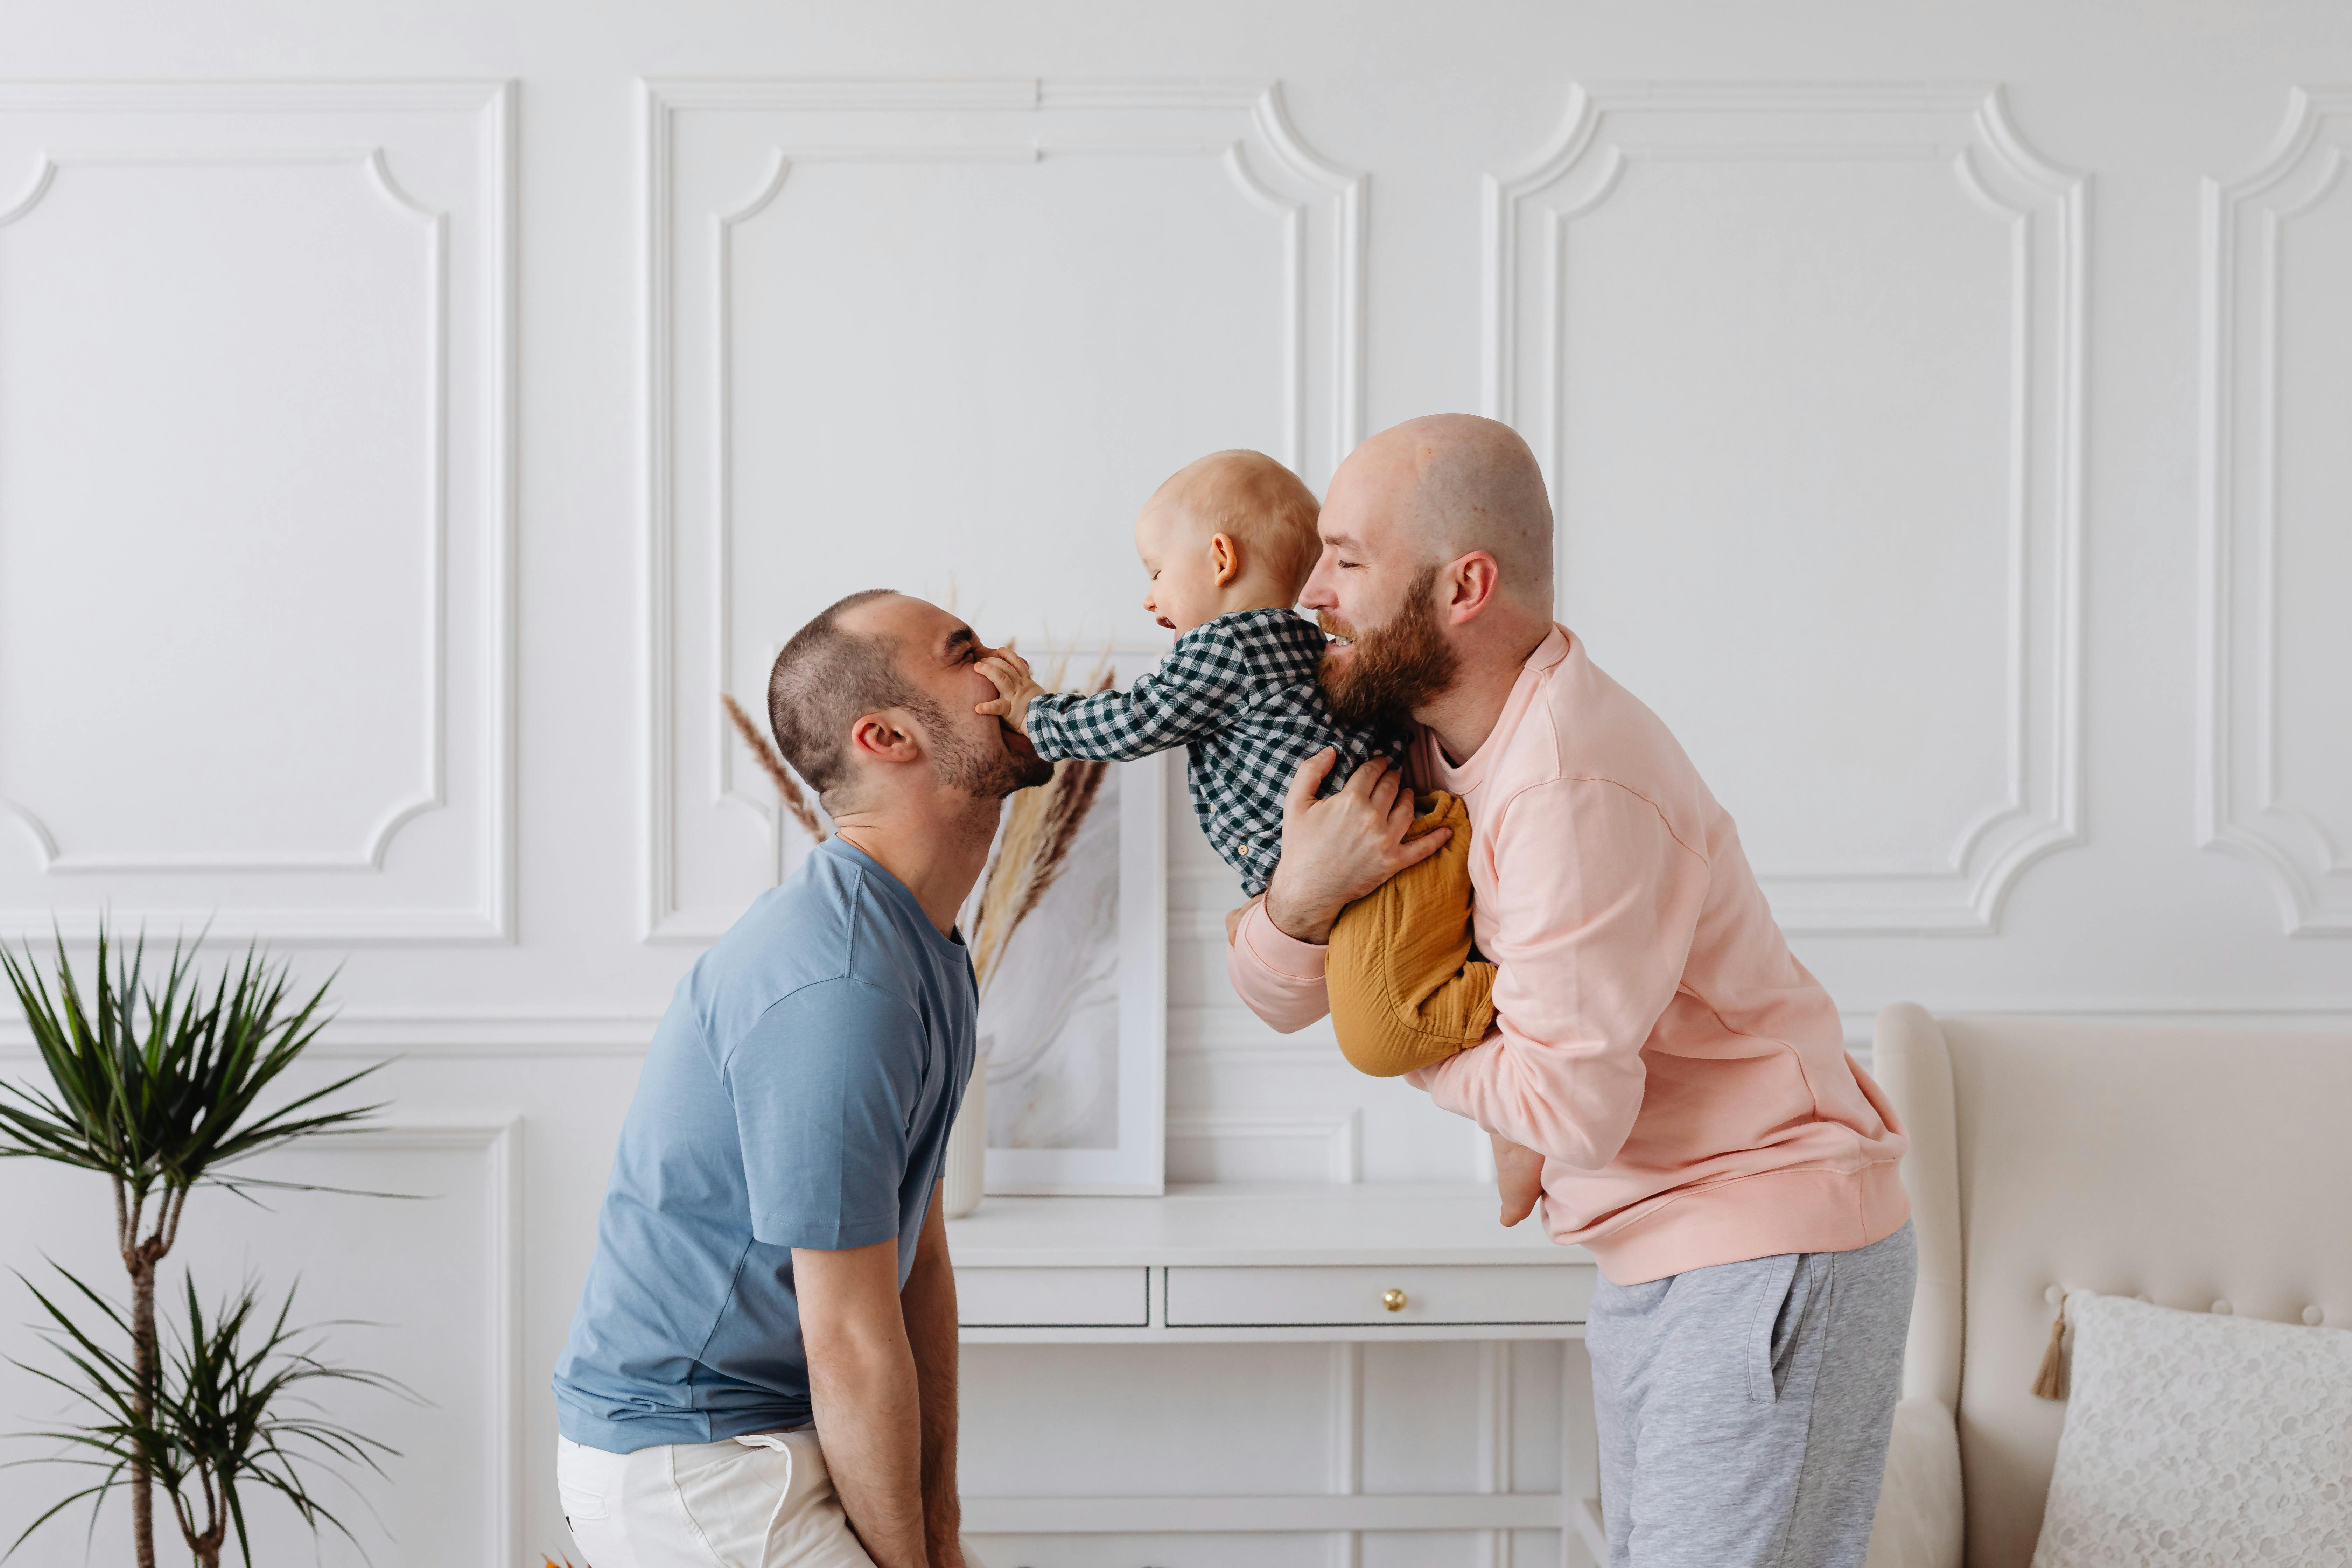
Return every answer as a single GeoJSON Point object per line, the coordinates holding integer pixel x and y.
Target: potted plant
{"type": "Point", "coordinates": [156, 1085]}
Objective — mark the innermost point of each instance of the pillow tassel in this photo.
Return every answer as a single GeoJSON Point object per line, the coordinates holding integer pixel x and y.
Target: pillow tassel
{"type": "Point", "coordinates": [2051, 1383]}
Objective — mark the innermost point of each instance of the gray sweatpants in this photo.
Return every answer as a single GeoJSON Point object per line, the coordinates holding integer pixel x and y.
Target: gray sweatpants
{"type": "Point", "coordinates": [1744, 1409]}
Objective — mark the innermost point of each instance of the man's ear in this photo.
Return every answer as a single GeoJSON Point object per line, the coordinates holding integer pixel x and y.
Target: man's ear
{"type": "Point", "coordinates": [1224, 559]}
{"type": "Point", "coordinates": [1470, 585]}
{"type": "Point", "coordinates": [886, 736]}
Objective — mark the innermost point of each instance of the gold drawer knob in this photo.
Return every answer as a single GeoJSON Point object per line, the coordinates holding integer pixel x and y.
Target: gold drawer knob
{"type": "Point", "coordinates": [1394, 1301]}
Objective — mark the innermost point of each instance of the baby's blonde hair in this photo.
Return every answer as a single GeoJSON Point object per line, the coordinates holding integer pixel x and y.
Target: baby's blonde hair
{"type": "Point", "coordinates": [1257, 501]}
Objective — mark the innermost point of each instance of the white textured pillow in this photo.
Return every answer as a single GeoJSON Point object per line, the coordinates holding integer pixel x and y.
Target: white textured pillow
{"type": "Point", "coordinates": [2201, 1438]}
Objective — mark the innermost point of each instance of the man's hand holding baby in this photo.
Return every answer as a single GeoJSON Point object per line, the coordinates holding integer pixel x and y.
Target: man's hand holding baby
{"type": "Point", "coordinates": [1338, 848]}
{"type": "Point", "coordinates": [1015, 687]}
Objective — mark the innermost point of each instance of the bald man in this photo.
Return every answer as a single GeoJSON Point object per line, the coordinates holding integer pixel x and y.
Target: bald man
{"type": "Point", "coordinates": [1681, 1077]}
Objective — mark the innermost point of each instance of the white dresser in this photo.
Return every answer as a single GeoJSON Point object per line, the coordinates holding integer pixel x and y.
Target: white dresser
{"type": "Point", "coordinates": [1347, 1266]}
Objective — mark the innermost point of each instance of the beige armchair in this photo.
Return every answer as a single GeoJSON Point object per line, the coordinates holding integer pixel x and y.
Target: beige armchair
{"type": "Point", "coordinates": [2203, 1169]}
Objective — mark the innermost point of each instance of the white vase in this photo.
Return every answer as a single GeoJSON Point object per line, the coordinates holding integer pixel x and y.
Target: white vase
{"type": "Point", "coordinates": [967, 1158]}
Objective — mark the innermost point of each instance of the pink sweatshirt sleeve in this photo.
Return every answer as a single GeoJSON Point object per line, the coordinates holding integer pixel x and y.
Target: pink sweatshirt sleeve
{"type": "Point", "coordinates": [1279, 976]}
{"type": "Point", "coordinates": [1599, 902]}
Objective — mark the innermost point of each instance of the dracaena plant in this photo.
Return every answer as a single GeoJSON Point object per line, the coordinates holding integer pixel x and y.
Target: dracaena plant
{"type": "Point", "coordinates": [155, 1082]}
{"type": "Point", "coordinates": [225, 1413]}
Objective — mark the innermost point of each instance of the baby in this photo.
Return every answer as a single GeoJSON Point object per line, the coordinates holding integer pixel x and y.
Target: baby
{"type": "Point", "coordinates": [1228, 543]}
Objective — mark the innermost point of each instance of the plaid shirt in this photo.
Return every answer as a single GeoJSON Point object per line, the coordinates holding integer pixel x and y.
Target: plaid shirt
{"type": "Point", "coordinates": [1239, 695]}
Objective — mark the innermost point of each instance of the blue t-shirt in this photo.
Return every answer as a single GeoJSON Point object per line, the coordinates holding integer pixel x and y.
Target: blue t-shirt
{"type": "Point", "coordinates": [798, 1094]}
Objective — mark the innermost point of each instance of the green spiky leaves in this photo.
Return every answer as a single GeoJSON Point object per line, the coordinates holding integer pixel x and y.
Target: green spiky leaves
{"type": "Point", "coordinates": [156, 1084]}
{"type": "Point", "coordinates": [229, 1413]}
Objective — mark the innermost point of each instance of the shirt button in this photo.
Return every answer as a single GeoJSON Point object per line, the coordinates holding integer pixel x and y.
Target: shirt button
{"type": "Point", "coordinates": [1241, 848]}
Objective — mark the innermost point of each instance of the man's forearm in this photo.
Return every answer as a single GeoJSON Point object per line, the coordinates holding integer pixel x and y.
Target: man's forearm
{"type": "Point", "coordinates": [869, 1415]}
{"type": "Point", "coordinates": [1280, 979]}
{"type": "Point", "coordinates": [1302, 914]}
{"type": "Point", "coordinates": [930, 1307]}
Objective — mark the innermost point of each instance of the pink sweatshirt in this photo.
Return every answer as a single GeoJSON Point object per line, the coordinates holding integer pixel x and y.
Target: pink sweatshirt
{"type": "Point", "coordinates": [1684, 1077]}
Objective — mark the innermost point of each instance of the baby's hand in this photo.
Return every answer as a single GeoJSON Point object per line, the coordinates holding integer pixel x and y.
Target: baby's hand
{"type": "Point", "coordinates": [1014, 686]}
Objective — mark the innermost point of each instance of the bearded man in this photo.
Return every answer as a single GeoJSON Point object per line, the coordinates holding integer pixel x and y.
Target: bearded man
{"type": "Point", "coordinates": [763, 1368]}
{"type": "Point", "coordinates": [1681, 1079]}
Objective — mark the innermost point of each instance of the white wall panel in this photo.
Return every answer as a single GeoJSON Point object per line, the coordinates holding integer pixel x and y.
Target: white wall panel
{"type": "Point", "coordinates": [452, 1494]}
{"type": "Point", "coordinates": [1219, 1551]}
{"type": "Point", "coordinates": [854, 299]}
{"type": "Point", "coordinates": [253, 515]}
{"type": "Point", "coordinates": [1336, 1454]}
{"type": "Point", "coordinates": [886, 315]}
{"type": "Point", "coordinates": [450, 1497]}
{"type": "Point", "coordinates": [2274, 739]}
{"type": "Point", "coordinates": [1802, 365]}
{"type": "Point", "coordinates": [1012, 1439]}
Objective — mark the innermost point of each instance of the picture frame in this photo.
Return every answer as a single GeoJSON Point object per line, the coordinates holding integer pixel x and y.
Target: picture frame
{"type": "Point", "coordinates": [1074, 1027]}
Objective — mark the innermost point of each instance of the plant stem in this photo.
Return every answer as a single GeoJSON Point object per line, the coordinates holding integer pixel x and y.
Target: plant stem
{"type": "Point", "coordinates": [143, 1334]}
{"type": "Point", "coordinates": [207, 1546]}
{"type": "Point", "coordinates": [128, 1210]}
{"type": "Point", "coordinates": [141, 1257]}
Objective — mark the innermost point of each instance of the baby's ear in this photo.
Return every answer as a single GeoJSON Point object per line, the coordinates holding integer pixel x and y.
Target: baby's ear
{"type": "Point", "coordinates": [1224, 558]}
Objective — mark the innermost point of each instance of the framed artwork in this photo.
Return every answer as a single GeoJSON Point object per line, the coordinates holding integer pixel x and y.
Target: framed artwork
{"type": "Point", "coordinates": [1074, 1023]}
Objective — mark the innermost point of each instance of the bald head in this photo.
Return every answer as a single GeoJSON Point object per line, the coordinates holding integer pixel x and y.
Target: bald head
{"type": "Point", "coordinates": [1456, 483]}
{"type": "Point", "coordinates": [1249, 496]}
{"type": "Point", "coordinates": [830, 671]}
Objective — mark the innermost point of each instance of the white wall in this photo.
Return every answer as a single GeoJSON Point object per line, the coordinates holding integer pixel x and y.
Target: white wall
{"type": "Point", "coordinates": [1943, 404]}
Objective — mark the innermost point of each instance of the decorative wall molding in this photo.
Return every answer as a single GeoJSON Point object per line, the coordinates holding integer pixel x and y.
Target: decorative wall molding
{"type": "Point", "coordinates": [1496, 1433]}
{"type": "Point", "coordinates": [1347, 1444]}
{"type": "Point", "coordinates": [2313, 1014]}
{"type": "Point", "coordinates": [1346, 1511]}
{"type": "Point", "coordinates": [429, 792]}
{"type": "Point", "coordinates": [1332, 1145]}
{"type": "Point", "coordinates": [1958, 887]}
{"type": "Point", "coordinates": [1242, 126]}
{"type": "Point", "coordinates": [375, 1034]}
{"type": "Point", "coordinates": [501, 1143]}
{"type": "Point", "coordinates": [1228, 1035]}
{"type": "Point", "coordinates": [1274, 1514]}
{"type": "Point", "coordinates": [344, 897]}
{"type": "Point", "coordinates": [2242, 806]}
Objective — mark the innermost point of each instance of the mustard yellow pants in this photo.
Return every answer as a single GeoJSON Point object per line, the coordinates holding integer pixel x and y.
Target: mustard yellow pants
{"type": "Point", "coordinates": [1404, 991]}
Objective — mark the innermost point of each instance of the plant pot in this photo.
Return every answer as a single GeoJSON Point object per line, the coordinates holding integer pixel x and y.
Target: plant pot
{"type": "Point", "coordinates": [967, 1157]}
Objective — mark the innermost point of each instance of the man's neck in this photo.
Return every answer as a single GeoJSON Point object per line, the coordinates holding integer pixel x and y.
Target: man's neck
{"type": "Point", "coordinates": [1460, 718]}
{"type": "Point", "coordinates": [936, 847]}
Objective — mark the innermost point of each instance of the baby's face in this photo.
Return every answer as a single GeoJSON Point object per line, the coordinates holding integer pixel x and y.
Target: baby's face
{"type": "Point", "coordinates": [1183, 575]}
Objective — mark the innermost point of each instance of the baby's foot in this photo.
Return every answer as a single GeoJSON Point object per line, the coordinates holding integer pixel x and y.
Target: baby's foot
{"type": "Point", "coordinates": [1519, 1178]}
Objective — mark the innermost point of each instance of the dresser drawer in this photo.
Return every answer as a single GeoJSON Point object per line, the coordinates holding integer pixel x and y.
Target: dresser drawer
{"type": "Point", "coordinates": [1503, 1293]}
{"type": "Point", "coordinates": [1052, 1297]}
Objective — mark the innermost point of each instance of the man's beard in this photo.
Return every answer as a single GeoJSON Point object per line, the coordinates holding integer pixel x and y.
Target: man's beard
{"type": "Point", "coordinates": [1395, 668]}
{"type": "Point", "coordinates": [979, 770]}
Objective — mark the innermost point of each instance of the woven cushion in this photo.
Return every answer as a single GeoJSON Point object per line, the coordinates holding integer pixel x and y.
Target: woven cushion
{"type": "Point", "coordinates": [2199, 1438]}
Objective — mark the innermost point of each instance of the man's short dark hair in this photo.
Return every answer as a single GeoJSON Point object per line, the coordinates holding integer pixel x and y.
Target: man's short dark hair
{"type": "Point", "coordinates": [823, 681]}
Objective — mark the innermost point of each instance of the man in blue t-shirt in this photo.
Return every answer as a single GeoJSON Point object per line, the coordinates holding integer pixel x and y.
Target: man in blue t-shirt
{"type": "Point", "coordinates": [763, 1368]}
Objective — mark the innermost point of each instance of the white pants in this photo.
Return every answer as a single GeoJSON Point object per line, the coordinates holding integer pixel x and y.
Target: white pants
{"type": "Point", "coordinates": [760, 1501]}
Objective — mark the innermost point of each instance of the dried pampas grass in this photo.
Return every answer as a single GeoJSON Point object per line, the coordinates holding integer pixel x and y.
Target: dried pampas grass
{"type": "Point", "coordinates": [1040, 825]}
{"type": "Point", "coordinates": [796, 802]}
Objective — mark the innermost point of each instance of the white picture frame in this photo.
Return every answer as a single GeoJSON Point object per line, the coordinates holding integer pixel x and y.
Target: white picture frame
{"type": "Point", "coordinates": [1123, 1150]}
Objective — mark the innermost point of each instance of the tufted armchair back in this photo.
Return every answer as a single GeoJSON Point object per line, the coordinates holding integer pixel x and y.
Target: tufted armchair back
{"type": "Point", "coordinates": [2208, 1170]}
